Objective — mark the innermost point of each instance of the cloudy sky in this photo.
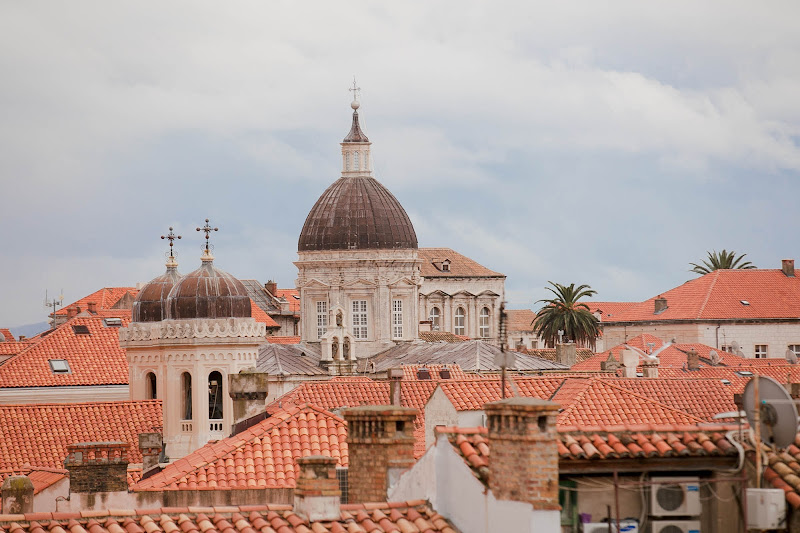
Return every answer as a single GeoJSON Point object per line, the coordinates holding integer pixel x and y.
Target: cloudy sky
{"type": "Point", "coordinates": [591, 142]}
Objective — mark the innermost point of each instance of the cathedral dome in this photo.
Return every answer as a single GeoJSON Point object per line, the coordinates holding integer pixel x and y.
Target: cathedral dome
{"type": "Point", "coordinates": [208, 292]}
{"type": "Point", "coordinates": [150, 304]}
{"type": "Point", "coordinates": [357, 212]}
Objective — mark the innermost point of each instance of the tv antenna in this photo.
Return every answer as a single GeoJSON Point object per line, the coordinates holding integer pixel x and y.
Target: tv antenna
{"type": "Point", "coordinates": [771, 412]}
{"type": "Point", "coordinates": [54, 303]}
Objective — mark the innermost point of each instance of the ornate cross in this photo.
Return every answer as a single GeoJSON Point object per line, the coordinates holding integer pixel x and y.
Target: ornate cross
{"type": "Point", "coordinates": [207, 229]}
{"type": "Point", "coordinates": [171, 237]}
{"type": "Point", "coordinates": [355, 89]}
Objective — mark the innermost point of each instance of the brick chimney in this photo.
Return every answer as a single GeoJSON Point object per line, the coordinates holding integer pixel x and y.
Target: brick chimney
{"type": "Point", "coordinates": [787, 265]}
{"type": "Point", "coordinates": [72, 312]}
{"type": "Point", "coordinates": [248, 389]}
{"type": "Point", "coordinates": [271, 287]}
{"type": "Point", "coordinates": [395, 385]}
{"type": "Point", "coordinates": [380, 445]}
{"type": "Point", "coordinates": [566, 354]}
{"type": "Point", "coordinates": [17, 494]}
{"type": "Point", "coordinates": [92, 307]}
{"type": "Point", "coordinates": [97, 467]}
{"type": "Point", "coordinates": [523, 464]}
{"type": "Point", "coordinates": [317, 495]}
{"type": "Point", "coordinates": [650, 368]}
{"type": "Point", "coordinates": [692, 360]}
{"type": "Point", "coordinates": [150, 444]}
{"type": "Point", "coordinates": [660, 305]}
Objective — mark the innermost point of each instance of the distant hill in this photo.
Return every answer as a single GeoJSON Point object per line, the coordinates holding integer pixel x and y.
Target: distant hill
{"type": "Point", "coordinates": [29, 330]}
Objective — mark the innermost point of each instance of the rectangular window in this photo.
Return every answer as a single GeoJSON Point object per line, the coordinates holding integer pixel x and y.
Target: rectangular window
{"type": "Point", "coordinates": [727, 348]}
{"type": "Point", "coordinates": [322, 319]}
{"type": "Point", "coordinates": [360, 319]}
{"type": "Point", "coordinates": [761, 351]}
{"type": "Point", "coordinates": [459, 321]}
{"type": "Point", "coordinates": [397, 319]}
{"type": "Point", "coordinates": [795, 348]}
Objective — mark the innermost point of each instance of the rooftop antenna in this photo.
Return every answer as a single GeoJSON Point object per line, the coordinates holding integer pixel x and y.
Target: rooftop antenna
{"type": "Point", "coordinates": [503, 359]}
{"type": "Point", "coordinates": [771, 411]}
{"type": "Point", "coordinates": [54, 303]}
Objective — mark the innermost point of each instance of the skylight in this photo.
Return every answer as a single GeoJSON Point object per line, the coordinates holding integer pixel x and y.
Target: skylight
{"type": "Point", "coordinates": [744, 373]}
{"type": "Point", "coordinates": [80, 329]}
{"type": "Point", "coordinates": [112, 322]}
{"type": "Point", "coordinates": [725, 381]}
{"type": "Point", "coordinates": [59, 366]}
{"type": "Point", "coordinates": [744, 302]}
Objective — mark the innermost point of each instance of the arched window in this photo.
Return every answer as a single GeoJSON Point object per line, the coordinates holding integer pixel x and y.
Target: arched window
{"type": "Point", "coordinates": [215, 396]}
{"type": "Point", "coordinates": [186, 395]}
{"type": "Point", "coordinates": [151, 393]}
{"type": "Point", "coordinates": [347, 161]}
{"type": "Point", "coordinates": [484, 323]}
{"type": "Point", "coordinates": [355, 161]}
{"type": "Point", "coordinates": [459, 322]}
{"type": "Point", "coordinates": [435, 318]}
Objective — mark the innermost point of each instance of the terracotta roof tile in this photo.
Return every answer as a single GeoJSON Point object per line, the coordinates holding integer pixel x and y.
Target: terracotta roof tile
{"type": "Point", "coordinates": [460, 265]}
{"type": "Point", "coordinates": [608, 310]}
{"type": "Point", "coordinates": [292, 296]}
{"type": "Point", "coordinates": [41, 477]}
{"type": "Point", "coordinates": [275, 339]}
{"type": "Point", "coordinates": [441, 336]}
{"type": "Point", "coordinates": [262, 456]}
{"type": "Point", "coordinates": [38, 434]}
{"type": "Point", "coordinates": [94, 358]}
{"type": "Point", "coordinates": [520, 320]}
{"type": "Point", "coordinates": [260, 316]}
{"type": "Point", "coordinates": [105, 298]}
{"type": "Point", "coordinates": [6, 335]}
{"type": "Point", "coordinates": [395, 516]}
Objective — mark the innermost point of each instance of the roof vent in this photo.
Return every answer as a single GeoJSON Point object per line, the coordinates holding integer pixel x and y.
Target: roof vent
{"type": "Point", "coordinates": [81, 329]}
{"type": "Point", "coordinates": [423, 373]}
{"type": "Point", "coordinates": [744, 302]}
{"type": "Point", "coordinates": [444, 373]}
{"type": "Point", "coordinates": [725, 381]}
{"type": "Point", "coordinates": [112, 322]}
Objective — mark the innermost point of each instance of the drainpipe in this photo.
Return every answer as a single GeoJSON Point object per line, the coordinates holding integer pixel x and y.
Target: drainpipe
{"type": "Point", "coordinates": [716, 333]}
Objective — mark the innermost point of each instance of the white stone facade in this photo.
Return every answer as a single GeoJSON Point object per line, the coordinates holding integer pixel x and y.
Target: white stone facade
{"type": "Point", "coordinates": [189, 361]}
{"type": "Point", "coordinates": [376, 291]}
{"type": "Point", "coordinates": [473, 295]}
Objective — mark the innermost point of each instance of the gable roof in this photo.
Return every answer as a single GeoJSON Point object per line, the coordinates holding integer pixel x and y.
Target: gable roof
{"type": "Point", "coordinates": [520, 320]}
{"type": "Point", "coordinates": [460, 266]}
{"type": "Point", "coordinates": [719, 295]}
{"type": "Point", "coordinates": [260, 316]}
{"type": "Point", "coordinates": [292, 296]}
{"type": "Point", "coordinates": [262, 456]}
{"type": "Point", "coordinates": [608, 310]}
{"type": "Point", "coordinates": [105, 299]}
{"type": "Point", "coordinates": [94, 358]}
{"type": "Point", "coordinates": [441, 336]}
{"type": "Point", "coordinates": [41, 477]}
{"type": "Point", "coordinates": [38, 434]}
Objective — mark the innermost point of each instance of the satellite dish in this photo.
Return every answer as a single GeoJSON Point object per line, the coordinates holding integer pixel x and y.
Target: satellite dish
{"type": "Point", "coordinates": [791, 356]}
{"type": "Point", "coordinates": [735, 347]}
{"type": "Point", "coordinates": [779, 419]}
{"type": "Point", "coordinates": [714, 356]}
{"type": "Point", "coordinates": [740, 353]}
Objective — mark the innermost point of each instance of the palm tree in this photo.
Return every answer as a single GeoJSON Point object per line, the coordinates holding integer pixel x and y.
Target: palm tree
{"type": "Point", "coordinates": [565, 313]}
{"type": "Point", "coordinates": [721, 260]}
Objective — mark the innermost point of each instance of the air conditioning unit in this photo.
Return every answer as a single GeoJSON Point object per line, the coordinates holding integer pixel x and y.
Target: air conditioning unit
{"type": "Point", "coordinates": [626, 526]}
{"type": "Point", "coordinates": [672, 496]}
{"type": "Point", "coordinates": [675, 526]}
{"type": "Point", "coordinates": [766, 509]}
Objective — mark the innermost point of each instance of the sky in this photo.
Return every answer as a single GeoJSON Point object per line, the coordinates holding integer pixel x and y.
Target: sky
{"type": "Point", "coordinates": [600, 143]}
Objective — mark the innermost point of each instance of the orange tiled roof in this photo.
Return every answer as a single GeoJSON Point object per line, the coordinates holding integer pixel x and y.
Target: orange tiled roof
{"type": "Point", "coordinates": [260, 316]}
{"type": "Point", "coordinates": [520, 320]}
{"type": "Point", "coordinates": [15, 347]}
{"type": "Point", "coordinates": [606, 443]}
{"type": "Point", "coordinates": [411, 372]}
{"type": "Point", "coordinates": [275, 339]}
{"type": "Point", "coordinates": [460, 266]}
{"type": "Point", "coordinates": [262, 456]}
{"type": "Point", "coordinates": [94, 359]}
{"type": "Point", "coordinates": [608, 310]}
{"type": "Point", "coordinates": [6, 335]}
{"type": "Point", "coordinates": [38, 434]}
{"type": "Point", "coordinates": [105, 298]}
{"type": "Point", "coordinates": [41, 477]}
{"type": "Point", "coordinates": [768, 294]}
{"type": "Point", "coordinates": [409, 516]}
{"type": "Point", "coordinates": [581, 354]}
{"type": "Point", "coordinates": [783, 470]}
{"type": "Point", "coordinates": [441, 336]}
{"type": "Point", "coordinates": [292, 296]}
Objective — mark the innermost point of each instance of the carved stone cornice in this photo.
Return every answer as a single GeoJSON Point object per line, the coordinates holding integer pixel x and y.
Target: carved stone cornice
{"type": "Point", "coordinates": [191, 331]}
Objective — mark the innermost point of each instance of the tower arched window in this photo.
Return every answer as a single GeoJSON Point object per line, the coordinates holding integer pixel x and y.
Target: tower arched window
{"type": "Point", "coordinates": [484, 323]}
{"type": "Point", "coordinates": [435, 318]}
{"type": "Point", "coordinates": [151, 392]}
{"type": "Point", "coordinates": [215, 396]}
{"type": "Point", "coordinates": [459, 321]}
{"type": "Point", "coordinates": [186, 395]}
{"type": "Point", "coordinates": [355, 161]}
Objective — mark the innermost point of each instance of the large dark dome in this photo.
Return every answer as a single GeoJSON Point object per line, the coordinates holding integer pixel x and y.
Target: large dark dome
{"type": "Point", "coordinates": [150, 304]}
{"type": "Point", "coordinates": [208, 293]}
{"type": "Point", "coordinates": [357, 213]}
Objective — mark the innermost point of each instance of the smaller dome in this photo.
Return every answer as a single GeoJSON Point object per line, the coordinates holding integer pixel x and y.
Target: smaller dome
{"type": "Point", "coordinates": [208, 292]}
{"type": "Point", "coordinates": [150, 304]}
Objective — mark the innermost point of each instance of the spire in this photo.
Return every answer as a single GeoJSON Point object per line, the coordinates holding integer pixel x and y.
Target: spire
{"type": "Point", "coordinates": [172, 263]}
{"type": "Point", "coordinates": [207, 257]}
{"type": "Point", "coordinates": [356, 157]}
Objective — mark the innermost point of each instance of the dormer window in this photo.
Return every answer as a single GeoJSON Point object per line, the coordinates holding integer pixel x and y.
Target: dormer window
{"type": "Point", "coordinates": [446, 265]}
{"type": "Point", "coordinates": [59, 366]}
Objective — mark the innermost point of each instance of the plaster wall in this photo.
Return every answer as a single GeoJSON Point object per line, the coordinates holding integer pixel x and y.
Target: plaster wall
{"type": "Point", "coordinates": [439, 411]}
{"type": "Point", "coordinates": [48, 500]}
{"type": "Point", "coordinates": [174, 498]}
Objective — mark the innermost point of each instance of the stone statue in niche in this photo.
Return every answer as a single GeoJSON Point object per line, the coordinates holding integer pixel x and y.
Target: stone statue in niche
{"type": "Point", "coordinates": [346, 348]}
{"type": "Point", "coordinates": [335, 348]}
{"type": "Point", "coordinates": [339, 318]}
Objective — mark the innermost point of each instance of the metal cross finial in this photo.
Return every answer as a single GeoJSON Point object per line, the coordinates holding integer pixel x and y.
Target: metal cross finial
{"type": "Point", "coordinates": [207, 229]}
{"type": "Point", "coordinates": [355, 89]}
{"type": "Point", "coordinates": [171, 237]}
